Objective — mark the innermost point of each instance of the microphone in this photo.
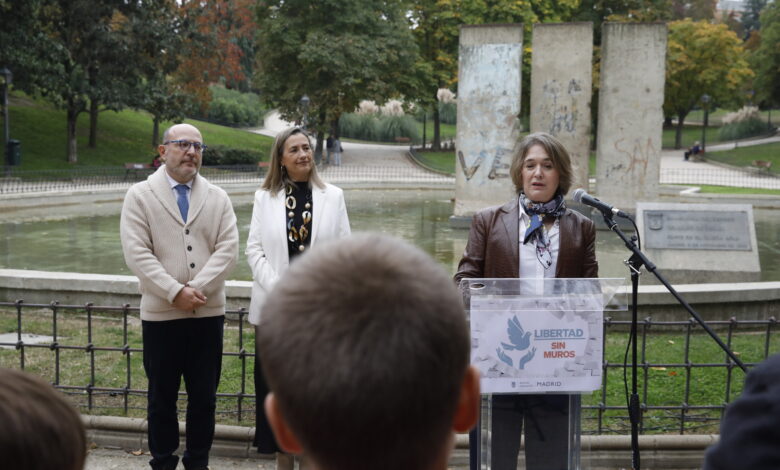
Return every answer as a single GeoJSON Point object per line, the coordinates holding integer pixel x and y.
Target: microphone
{"type": "Point", "coordinates": [582, 197]}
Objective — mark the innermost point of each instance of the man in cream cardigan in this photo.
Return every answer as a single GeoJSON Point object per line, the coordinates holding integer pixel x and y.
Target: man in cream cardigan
{"type": "Point", "coordinates": [179, 237]}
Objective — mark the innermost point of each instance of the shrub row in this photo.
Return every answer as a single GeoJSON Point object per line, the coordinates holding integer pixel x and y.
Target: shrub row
{"type": "Point", "coordinates": [742, 129]}
{"type": "Point", "coordinates": [217, 155]}
{"type": "Point", "coordinates": [448, 113]}
{"type": "Point", "coordinates": [233, 108]}
{"type": "Point", "coordinates": [378, 128]}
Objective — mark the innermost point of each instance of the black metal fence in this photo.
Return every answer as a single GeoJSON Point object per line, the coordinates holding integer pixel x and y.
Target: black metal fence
{"type": "Point", "coordinates": [94, 354]}
{"type": "Point", "coordinates": [721, 176]}
{"type": "Point", "coordinates": [29, 181]}
{"type": "Point", "coordinates": [23, 181]}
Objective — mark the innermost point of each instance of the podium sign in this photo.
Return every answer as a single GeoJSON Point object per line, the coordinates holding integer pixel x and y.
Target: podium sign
{"type": "Point", "coordinates": [536, 337]}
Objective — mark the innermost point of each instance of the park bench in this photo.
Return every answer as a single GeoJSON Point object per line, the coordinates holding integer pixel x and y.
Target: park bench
{"type": "Point", "coordinates": [262, 167]}
{"type": "Point", "coordinates": [403, 140]}
{"type": "Point", "coordinates": [137, 169]}
{"type": "Point", "coordinates": [762, 165]}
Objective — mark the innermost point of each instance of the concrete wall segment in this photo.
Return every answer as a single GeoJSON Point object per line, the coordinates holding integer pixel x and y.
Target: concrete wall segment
{"type": "Point", "coordinates": [631, 96]}
{"type": "Point", "coordinates": [488, 108]}
{"type": "Point", "coordinates": [561, 89]}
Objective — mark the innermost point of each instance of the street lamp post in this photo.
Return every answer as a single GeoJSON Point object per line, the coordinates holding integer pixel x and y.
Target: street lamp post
{"type": "Point", "coordinates": [305, 108]}
{"type": "Point", "coordinates": [7, 77]}
{"type": "Point", "coordinates": [705, 98]}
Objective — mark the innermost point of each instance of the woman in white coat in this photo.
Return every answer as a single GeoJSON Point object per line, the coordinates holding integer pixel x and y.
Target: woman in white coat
{"type": "Point", "coordinates": [293, 210]}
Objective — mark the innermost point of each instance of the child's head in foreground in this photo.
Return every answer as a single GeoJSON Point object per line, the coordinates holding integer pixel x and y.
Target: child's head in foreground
{"type": "Point", "coordinates": [366, 349]}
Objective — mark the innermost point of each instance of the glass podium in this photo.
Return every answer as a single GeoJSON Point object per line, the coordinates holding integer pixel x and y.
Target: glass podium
{"type": "Point", "coordinates": [538, 344]}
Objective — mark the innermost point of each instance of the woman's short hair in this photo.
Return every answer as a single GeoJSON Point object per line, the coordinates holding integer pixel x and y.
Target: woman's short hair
{"type": "Point", "coordinates": [40, 429]}
{"type": "Point", "coordinates": [553, 148]}
{"type": "Point", "coordinates": [277, 178]}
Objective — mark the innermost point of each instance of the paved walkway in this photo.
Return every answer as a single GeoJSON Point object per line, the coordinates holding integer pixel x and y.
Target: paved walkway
{"type": "Point", "coordinates": [366, 163]}
{"type": "Point", "coordinates": [675, 170]}
{"type": "Point", "coordinates": [363, 161]}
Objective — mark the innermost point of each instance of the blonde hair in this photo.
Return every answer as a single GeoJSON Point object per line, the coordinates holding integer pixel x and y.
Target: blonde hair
{"type": "Point", "coordinates": [277, 178]}
{"type": "Point", "coordinates": [554, 149]}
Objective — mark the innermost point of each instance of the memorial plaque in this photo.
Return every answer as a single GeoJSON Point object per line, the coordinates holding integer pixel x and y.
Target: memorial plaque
{"type": "Point", "coordinates": [697, 230]}
{"type": "Point", "coordinates": [700, 243]}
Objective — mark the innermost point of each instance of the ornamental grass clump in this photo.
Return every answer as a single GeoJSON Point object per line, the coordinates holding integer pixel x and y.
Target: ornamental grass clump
{"type": "Point", "coordinates": [741, 124]}
{"type": "Point", "coordinates": [379, 124]}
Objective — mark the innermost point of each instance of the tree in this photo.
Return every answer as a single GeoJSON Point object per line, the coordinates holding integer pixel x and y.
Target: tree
{"type": "Point", "coordinates": [337, 52]}
{"type": "Point", "coordinates": [24, 47]}
{"type": "Point", "coordinates": [751, 18]}
{"type": "Point", "coordinates": [599, 11]}
{"type": "Point", "coordinates": [227, 29]}
{"type": "Point", "coordinates": [436, 24]}
{"type": "Point", "coordinates": [695, 9]}
{"type": "Point", "coordinates": [78, 30]}
{"type": "Point", "coordinates": [766, 59]}
{"type": "Point", "coordinates": [160, 31]}
{"type": "Point", "coordinates": [702, 58]}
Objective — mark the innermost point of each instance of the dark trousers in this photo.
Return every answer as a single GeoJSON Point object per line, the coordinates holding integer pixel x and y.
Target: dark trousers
{"type": "Point", "coordinates": [546, 420]}
{"type": "Point", "coordinates": [189, 348]}
{"type": "Point", "coordinates": [264, 437]}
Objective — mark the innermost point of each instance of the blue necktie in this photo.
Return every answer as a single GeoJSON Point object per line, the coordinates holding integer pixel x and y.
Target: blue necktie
{"type": "Point", "coordinates": [184, 204]}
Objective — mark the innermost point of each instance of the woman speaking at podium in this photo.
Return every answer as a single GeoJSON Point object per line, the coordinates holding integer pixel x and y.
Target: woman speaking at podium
{"type": "Point", "coordinates": [533, 235]}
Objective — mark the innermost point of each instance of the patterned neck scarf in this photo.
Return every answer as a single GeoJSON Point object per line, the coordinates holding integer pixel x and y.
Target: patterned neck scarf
{"type": "Point", "coordinates": [556, 207]}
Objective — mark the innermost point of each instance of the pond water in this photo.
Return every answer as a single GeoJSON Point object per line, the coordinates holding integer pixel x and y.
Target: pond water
{"type": "Point", "coordinates": [91, 244]}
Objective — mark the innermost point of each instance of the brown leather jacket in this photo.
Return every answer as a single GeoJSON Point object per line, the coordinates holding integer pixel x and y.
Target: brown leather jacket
{"type": "Point", "coordinates": [492, 249]}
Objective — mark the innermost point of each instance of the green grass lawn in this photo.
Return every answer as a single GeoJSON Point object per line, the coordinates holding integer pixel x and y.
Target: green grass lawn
{"type": "Point", "coordinates": [122, 137]}
{"type": "Point", "coordinates": [447, 131]}
{"type": "Point", "coordinates": [443, 161]}
{"type": "Point", "coordinates": [743, 156]}
{"type": "Point", "coordinates": [716, 116]}
{"type": "Point", "coordinates": [706, 188]}
{"type": "Point", "coordinates": [665, 385]}
{"type": "Point", "coordinates": [690, 134]}
{"type": "Point", "coordinates": [110, 367]}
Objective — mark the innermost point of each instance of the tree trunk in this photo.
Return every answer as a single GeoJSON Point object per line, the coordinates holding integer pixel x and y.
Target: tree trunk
{"type": "Point", "coordinates": [334, 127]}
{"type": "Point", "coordinates": [678, 131]}
{"type": "Point", "coordinates": [320, 139]}
{"type": "Point", "coordinates": [436, 143]}
{"type": "Point", "coordinates": [73, 115]}
{"type": "Point", "coordinates": [93, 122]}
{"type": "Point", "coordinates": [425, 125]}
{"type": "Point", "coordinates": [155, 132]}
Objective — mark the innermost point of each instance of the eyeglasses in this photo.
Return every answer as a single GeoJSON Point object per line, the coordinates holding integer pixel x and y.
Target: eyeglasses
{"type": "Point", "coordinates": [185, 145]}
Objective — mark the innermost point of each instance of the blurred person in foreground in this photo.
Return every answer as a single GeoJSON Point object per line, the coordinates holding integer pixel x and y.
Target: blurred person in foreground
{"type": "Point", "coordinates": [293, 211]}
{"type": "Point", "coordinates": [179, 237]}
{"type": "Point", "coordinates": [39, 428]}
{"type": "Point", "coordinates": [750, 430]}
{"type": "Point", "coordinates": [534, 235]}
{"type": "Point", "coordinates": [365, 347]}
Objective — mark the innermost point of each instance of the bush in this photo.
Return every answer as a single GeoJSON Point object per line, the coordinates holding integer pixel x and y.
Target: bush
{"type": "Point", "coordinates": [218, 155]}
{"type": "Point", "coordinates": [742, 129]}
{"type": "Point", "coordinates": [743, 123]}
{"type": "Point", "coordinates": [233, 108]}
{"type": "Point", "coordinates": [392, 127]}
{"type": "Point", "coordinates": [377, 128]}
{"type": "Point", "coordinates": [448, 113]}
{"type": "Point", "coordinates": [359, 126]}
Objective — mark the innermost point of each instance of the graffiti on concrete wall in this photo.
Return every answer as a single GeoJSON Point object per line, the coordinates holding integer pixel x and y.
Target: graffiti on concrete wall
{"type": "Point", "coordinates": [635, 156]}
{"type": "Point", "coordinates": [499, 160]}
{"type": "Point", "coordinates": [561, 105]}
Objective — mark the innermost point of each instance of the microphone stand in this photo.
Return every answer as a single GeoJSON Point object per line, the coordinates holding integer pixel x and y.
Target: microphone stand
{"type": "Point", "coordinates": [635, 263]}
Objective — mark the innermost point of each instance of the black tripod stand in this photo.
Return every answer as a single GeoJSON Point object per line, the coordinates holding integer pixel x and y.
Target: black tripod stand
{"type": "Point", "coordinates": [635, 263]}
